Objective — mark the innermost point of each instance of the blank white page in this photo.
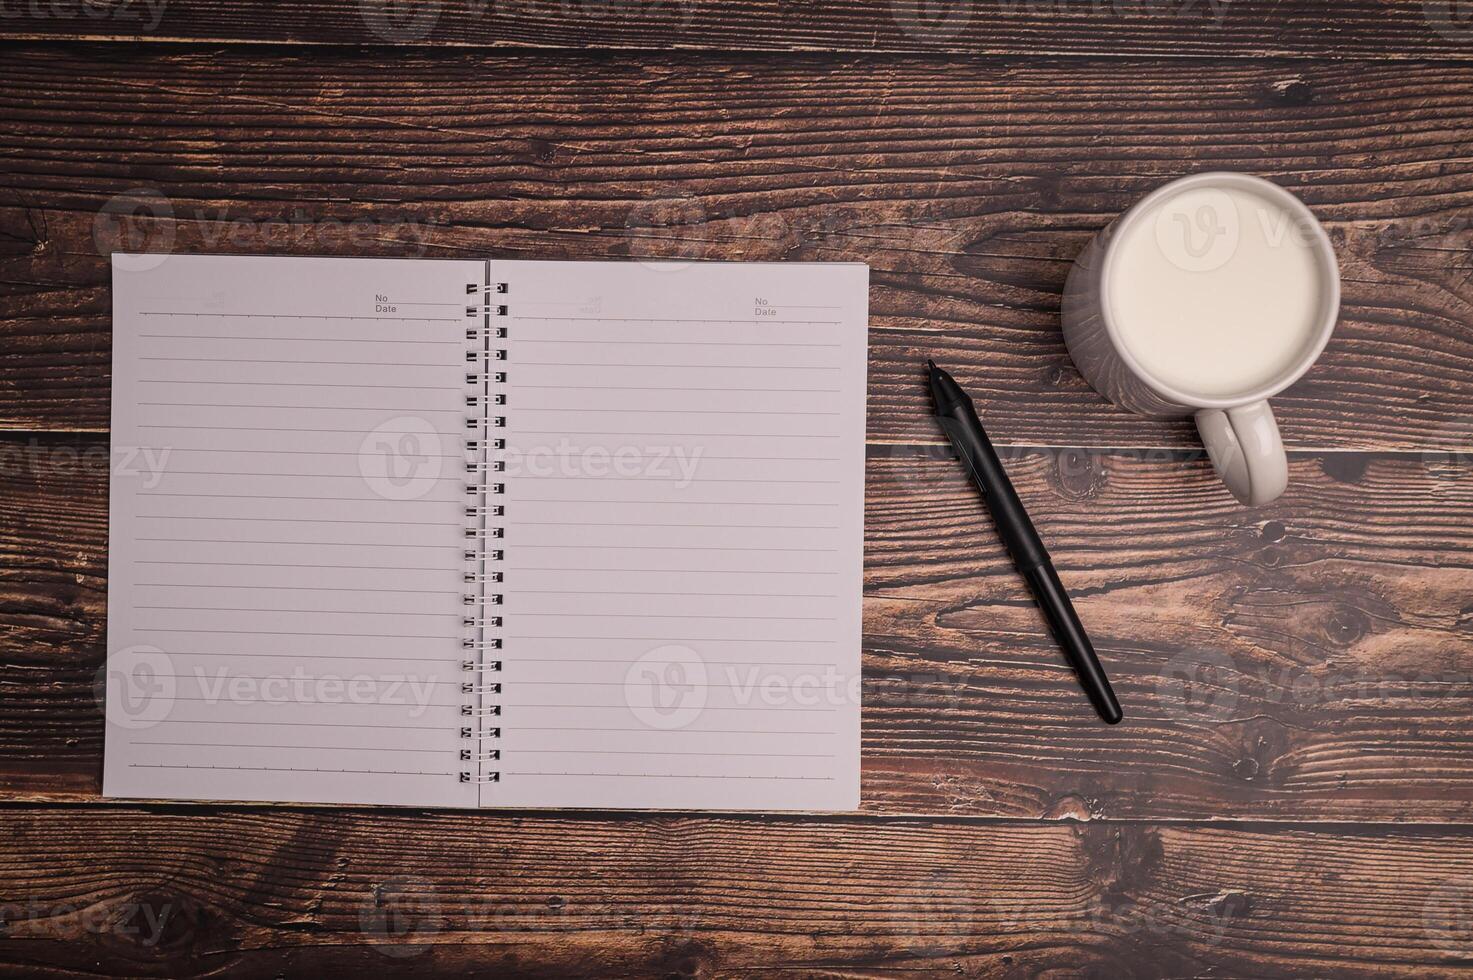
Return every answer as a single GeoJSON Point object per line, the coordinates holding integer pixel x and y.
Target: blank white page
{"type": "Point", "coordinates": [683, 550]}
{"type": "Point", "coordinates": [285, 563]}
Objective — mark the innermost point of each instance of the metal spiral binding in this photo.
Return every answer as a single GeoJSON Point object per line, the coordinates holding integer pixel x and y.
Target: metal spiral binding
{"type": "Point", "coordinates": [481, 690]}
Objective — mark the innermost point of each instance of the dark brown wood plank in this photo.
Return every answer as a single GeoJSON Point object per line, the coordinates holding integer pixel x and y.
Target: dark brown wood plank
{"type": "Point", "coordinates": [1219, 28]}
{"type": "Point", "coordinates": [270, 893]}
{"type": "Point", "coordinates": [1306, 661]}
{"type": "Point", "coordinates": [968, 188]}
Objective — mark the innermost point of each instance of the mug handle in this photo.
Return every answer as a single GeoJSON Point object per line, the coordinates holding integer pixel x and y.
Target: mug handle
{"type": "Point", "coordinates": [1244, 446]}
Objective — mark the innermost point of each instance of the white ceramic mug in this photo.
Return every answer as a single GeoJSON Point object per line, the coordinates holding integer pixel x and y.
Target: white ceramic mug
{"type": "Point", "coordinates": [1211, 294]}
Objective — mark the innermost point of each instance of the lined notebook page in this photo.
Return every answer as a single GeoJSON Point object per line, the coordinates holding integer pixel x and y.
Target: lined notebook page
{"type": "Point", "coordinates": [684, 522]}
{"type": "Point", "coordinates": [286, 529]}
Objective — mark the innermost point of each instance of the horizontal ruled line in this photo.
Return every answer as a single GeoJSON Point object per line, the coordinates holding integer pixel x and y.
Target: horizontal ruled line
{"type": "Point", "coordinates": [297, 520]}
{"type": "Point", "coordinates": [314, 408]}
{"type": "Point", "coordinates": [313, 612]}
{"type": "Point", "coordinates": [622, 570]}
{"type": "Point", "coordinates": [713, 755]}
{"type": "Point", "coordinates": [582, 592]}
{"type": "Point", "coordinates": [668, 775]}
{"type": "Point", "coordinates": [341, 452]}
{"type": "Point", "coordinates": [661, 411]}
{"type": "Point", "coordinates": [310, 340]}
{"type": "Point", "coordinates": [666, 639]}
{"type": "Point", "coordinates": [344, 544]}
{"type": "Point", "coordinates": [512, 661]}
{"type": "Point", "coordinates": [299, 724]}
{"type": "Point", "coordinates": [704, 457]}
{"type": "Point", "coordinates": [315, 476]}
{"type": "Point", "coordinates": [312, 677]}
{"type": "Point", "coordinates": [272, 428]}
{"type": "Point", "coordinates": [285, 384]}
{"type": "Point", "coordinates": [681, 320]}
{"type": "Point", "coordinates": [217, 699]}
{"type": "Point", "coordinates": [275, 745]}
{"type": "Point", "coordinates": [524, 682]}
{"type": "Point", "coordinates": [304, 316]}
{"type": "Point", "coordinates": [374, 772]}
{"type": "Point", "coordinates": [582, 615]}
{"type": "Point", "coordinates": [684, 731]}
{"type": "Point", "coordinates": [411, 705]}
{"type": "Point", "coordinates": [321, 656]}
{"type": "Point", "coordinates": [609, 364]}
{"type": "Point", "coordinates": [706, 389]}
{"type": "Point", "coordinates": [281, 496]}
{"type": "Point", "coordinates": [632, 432]}
{"type": "Point", "coordinates": [387, 636]}
{"type": "Point", "coordinates": [667, 343]}
{"type": "Point", "coordinates": [624, 705]}
{"type": "Point", "coordinates": [674, 547]}
{"type": "Point", "coordinates": [293, 588]}
{"type": "Point", "coordinates": [298, 360]}
{"type": "Point", "coordinates": [287, 564]}
{"type": "Point", "coordinates": [668, 503]}
{"type": "Point", "coordinates": [616, 524]}
{"type": "Point", "coordinates": [647, 480]}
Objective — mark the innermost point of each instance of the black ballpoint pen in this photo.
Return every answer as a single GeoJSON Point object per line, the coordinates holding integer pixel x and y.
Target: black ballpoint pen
{"type": "Point", "coordinates": [957, 415]}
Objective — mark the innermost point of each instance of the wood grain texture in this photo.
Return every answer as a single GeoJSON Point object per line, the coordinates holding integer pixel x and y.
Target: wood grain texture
{"type": "Point", "coordinates": [1307, 664]}
{"type": "Point", "coordinates": [1306, 661]}
{"type": "Point", "coordinates": [968, 189]}
{"type": "Point", "coordinates": [270, 893]}
{"type": "Point", "coordinates": [1218, 28]}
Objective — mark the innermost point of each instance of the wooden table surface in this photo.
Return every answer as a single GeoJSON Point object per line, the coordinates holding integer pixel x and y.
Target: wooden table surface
{"type": "Point", "coordinates": [1292, 793]}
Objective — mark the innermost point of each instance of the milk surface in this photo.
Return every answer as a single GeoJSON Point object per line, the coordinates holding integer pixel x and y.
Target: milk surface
{"type": "Point", "coordinates": [1216, 291]}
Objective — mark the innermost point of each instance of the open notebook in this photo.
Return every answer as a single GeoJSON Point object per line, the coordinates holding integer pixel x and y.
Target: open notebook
{"type": "Point", "coordinates": [466, 533]}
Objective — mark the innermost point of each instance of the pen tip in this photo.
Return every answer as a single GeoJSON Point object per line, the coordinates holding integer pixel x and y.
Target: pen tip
{"type": "Point", "coordinates": [930, 365]}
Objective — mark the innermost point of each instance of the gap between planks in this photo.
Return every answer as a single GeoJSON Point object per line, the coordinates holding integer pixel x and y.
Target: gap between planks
{"type": "Point", "coordinates": [1022, 448]}
{"type": "Point", "coordinates": [1242, 825]}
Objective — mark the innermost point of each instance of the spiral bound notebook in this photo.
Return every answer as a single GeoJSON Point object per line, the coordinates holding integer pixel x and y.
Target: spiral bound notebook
{"type": "Point", "coordinates": [505, 533]}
